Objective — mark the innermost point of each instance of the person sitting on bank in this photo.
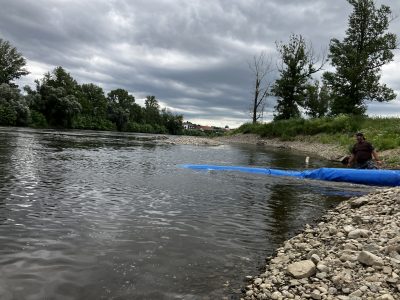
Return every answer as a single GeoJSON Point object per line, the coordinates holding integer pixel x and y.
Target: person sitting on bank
{"type": "Point", "coordinates": [362, 154]}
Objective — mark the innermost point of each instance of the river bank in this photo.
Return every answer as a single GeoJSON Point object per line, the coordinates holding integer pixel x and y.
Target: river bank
{"type": "Point", "coordinates": [330, 152]}
{"type": "Point", "coordinates": [327, 151]}
{"type": "Point", "coordinates": [352, 253]}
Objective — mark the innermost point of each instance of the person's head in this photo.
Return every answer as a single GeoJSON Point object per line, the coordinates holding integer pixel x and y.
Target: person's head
{"type": "Point", "coordinates": [360, 137]}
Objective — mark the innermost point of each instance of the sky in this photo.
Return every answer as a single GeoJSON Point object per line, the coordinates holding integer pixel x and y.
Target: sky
{"type": "Point", "coordinates": [192, 55]}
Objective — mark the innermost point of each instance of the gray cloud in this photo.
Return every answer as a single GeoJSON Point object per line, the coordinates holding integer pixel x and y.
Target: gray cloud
{"type": "Point", "coordinates": [192, 55]}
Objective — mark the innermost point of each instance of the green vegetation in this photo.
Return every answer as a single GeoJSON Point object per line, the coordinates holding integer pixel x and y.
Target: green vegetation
{"type": "Point", "coordinates": [295, 74]}
{"type": "Point", "coordinates": [384, 133]}
{"type": "Point", "coordinates": [358, 59]}
{"type": "Point", "coordinates": [58, 101]}
{"type": "Point", "coordinates": [12, 64]}
{"type": "Point", "coordinates": [356, 63]}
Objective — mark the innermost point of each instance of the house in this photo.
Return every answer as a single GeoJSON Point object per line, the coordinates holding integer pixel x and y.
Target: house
{"type": "Point", "coordinates": [189, 126]}
{"type": "Point", "coordinates": [207, 128]}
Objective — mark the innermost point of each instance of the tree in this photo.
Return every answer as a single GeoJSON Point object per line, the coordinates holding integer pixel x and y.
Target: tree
{"type": "Point", "coordinates": [11, 63]}
{"type": "Point", "coordinates": [173, 123]}
{"type": "Point", "coordinates": [298, 64]}
{"type": "Point", "coordinates": [316, 100]}
{"type": "Point", "coordinates": [260, 67]}
{"type": "Point", "coordinates": [358, 59]}
{"type": "Point", "coordinates": [120, 105]}
{"type": "Point", "coordinates": [56, 97]}
{"type": "Point", "coordinates": [13, 108]}
{"type": "Point", "coordinates": [151, 110]}
{"type": "Point", "coordinates": [93, 102]}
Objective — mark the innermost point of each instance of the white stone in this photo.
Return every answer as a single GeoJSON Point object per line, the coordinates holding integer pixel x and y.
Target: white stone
{"type": "Point", "coordinates": [358, 233]}
{"type": "Point", "coordinates": [385, 297]}
{"type": "Point", "coordinates": [302, 269]}
{"type": "Point", "coordinates": [369, 259]}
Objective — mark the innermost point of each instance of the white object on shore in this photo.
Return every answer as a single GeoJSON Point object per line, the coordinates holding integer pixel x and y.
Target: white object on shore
{"type": "Point", "coordinates": [307, 159]}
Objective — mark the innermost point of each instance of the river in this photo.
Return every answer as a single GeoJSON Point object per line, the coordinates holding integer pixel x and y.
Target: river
{"type": "Point", "coordinates": [103, 215]}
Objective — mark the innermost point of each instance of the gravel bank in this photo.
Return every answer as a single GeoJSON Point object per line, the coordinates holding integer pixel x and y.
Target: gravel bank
{"type": "Point", "coordinates": [353, 253]}
{"type": "Point", "coordinates": [331, 152]}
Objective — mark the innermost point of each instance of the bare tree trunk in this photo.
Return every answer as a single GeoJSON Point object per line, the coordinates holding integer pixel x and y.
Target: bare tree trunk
{"type": "Point", "coordinates": [261, 66]}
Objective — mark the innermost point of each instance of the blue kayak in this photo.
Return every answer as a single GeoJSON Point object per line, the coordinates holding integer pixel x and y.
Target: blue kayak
{"type": "Point", "coordinates": [369, 177]}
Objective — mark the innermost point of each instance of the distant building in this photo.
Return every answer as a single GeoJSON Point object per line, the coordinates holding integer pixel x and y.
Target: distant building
{"type": "Point", "coordinates": [207, 128]}
{"type": "Point", "coordinates": [189, 126]}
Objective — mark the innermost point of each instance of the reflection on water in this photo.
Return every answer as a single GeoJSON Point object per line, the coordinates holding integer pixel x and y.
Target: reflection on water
{"type": "Point", "coordinates": [89, 215]}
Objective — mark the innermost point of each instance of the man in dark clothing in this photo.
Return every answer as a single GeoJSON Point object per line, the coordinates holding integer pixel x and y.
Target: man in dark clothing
{"type": "Point", "coordinates": [362, 153]}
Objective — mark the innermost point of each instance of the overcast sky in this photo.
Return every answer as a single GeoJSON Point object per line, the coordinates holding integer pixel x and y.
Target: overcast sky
{"type": "Point", "coordinates": [192, 55]}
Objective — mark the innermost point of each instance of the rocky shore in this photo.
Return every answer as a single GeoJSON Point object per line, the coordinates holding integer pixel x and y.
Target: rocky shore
{"type": "Point", "coordinates": [352, 253]}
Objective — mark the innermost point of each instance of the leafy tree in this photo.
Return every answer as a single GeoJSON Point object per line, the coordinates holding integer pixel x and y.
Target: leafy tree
{"type": "Point", "coordinates": [93, 101]}
{"type": "Point", "coordinates": [56, 97]}
{"type": "Point", "coordinates": [298, 64]}
{"type": "Point", "coordinates": [11, 63]}
{"type": "Point", "coordinates": [173, 123]}
{"type": "Point", "coordinates": [60, 78]}
{"type": "Point", "coordinates": [151, 110]}
{"type": "Point", "coordinates": [121, 97]}
{"type": "Point", "coordinates": [358, 59]}
{"type": "Point", "coordinates": [261, 66]}
{"type": "Point", "coordinates": [316, 100]}
{"type": "Point", "coordinates": [120, 104]}
{"type": "Point", "coordinates": [14, 110]}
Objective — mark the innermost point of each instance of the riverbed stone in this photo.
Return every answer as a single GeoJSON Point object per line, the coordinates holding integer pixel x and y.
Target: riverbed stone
{"type": "Point", "coordinates": [369, 259]}
{"type": "Point", "coordinates": [302, 269]}
{"type": "Point", "coordinates": [360, 260]}
{"type": "Point", "coordinates": [358, 233]}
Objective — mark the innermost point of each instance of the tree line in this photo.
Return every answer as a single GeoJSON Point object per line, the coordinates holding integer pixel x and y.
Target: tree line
{"type": "Point", "coordinates": [58, 101]}
{"type": "Point", "coordinates": [357, 61]}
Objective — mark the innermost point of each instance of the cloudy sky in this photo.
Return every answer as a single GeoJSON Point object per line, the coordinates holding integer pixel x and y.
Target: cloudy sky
{"type": "Point", "coordinates": [192, 55]}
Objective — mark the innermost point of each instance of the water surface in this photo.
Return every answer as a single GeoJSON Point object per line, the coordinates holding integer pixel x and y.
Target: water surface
{"type": "Point", "coordinates": [97, 215]}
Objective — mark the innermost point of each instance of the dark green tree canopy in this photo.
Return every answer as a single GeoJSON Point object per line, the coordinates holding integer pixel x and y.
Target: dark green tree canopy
{"type": "Point", "coordinates": [14, 110]}
{"type": "Point", "coordinates": [316, 100]}
{"type": "Point", "coordinates": [12, 64]}
{"type": "Point", "coordinates": [56, 97]}
{"type": "Point", "coordinates": [359, 57]}
{"type": "Point", "coordinates": [298, 64]}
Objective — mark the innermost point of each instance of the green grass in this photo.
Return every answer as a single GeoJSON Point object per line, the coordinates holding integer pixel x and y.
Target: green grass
{"type": "Point", "coordinates": [383, 133]}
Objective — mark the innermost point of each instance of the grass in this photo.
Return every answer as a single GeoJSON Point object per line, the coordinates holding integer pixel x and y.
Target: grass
{"type": "Point", "coordinates": [383, 133]}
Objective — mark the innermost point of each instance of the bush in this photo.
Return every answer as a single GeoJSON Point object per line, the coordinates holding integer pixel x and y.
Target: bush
{"type": "Point", "coordinates": [38, 120]}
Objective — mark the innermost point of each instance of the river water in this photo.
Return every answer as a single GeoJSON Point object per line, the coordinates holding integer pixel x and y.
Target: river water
{"type": "Point", "coordinates": [100, 215]}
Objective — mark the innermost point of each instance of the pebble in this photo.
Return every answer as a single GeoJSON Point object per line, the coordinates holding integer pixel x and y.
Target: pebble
{"type": "Point", "coordinates": [354, 253]}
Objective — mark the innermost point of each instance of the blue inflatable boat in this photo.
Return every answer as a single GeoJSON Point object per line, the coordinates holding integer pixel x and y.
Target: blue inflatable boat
{"type": "Point", "coordinates": [368, 177]}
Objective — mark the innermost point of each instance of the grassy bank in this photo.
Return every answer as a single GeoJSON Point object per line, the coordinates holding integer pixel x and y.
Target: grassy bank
{"type": "Point", "coordinates": [383, 133]}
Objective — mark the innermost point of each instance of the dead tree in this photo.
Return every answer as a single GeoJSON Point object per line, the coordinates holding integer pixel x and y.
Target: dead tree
{"type": "Point", "coordinates": [261, 66]}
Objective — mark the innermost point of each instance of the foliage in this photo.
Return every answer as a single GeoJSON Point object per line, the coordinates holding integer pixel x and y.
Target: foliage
{"type": "Point", "coordinates": [173, 123]}
{"type": "Point", "coordinates": [151, 110]}
{"type": "Point", "coordinates": [316, 100]}
{"type": "Point", "coordinates": [93, 101]}
{"type": "Point", "coordinates": [92, 122]}
{"type": "Point", "coordinates": [14, 110]}
{"type": "Point", "coordinates": [290, 128]}
{"type": "Point", "coordinates": [12, 64]}
{"type": "Point", "coordinates": [384, 133]}
{"type": "Point", "coordinates": [38, 120]}
{"type": "Point", "coordinates": [358, 59]}
{"type": "Point", "coordinates": [122, 108]}
{"type": "Point", "coordinates": [298, 64]}
{"type": "Point", "coordinates": [56, 98]}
